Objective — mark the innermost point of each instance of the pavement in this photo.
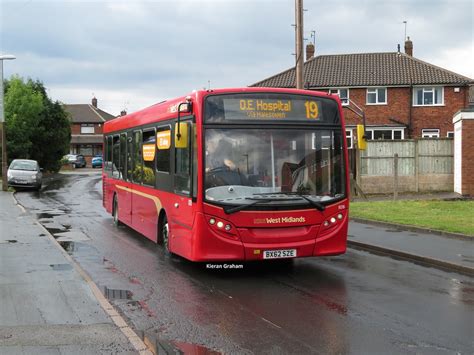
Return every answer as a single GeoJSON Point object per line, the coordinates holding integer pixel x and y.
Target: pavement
{"type": "Point", "coordinates": [449, 251]}
{"type": "Point", "coordinates": [443, 195]}
{"type": "Point", "coordinates": [452, 253]}
{"type": "Point", "coordinates": [48, 303]}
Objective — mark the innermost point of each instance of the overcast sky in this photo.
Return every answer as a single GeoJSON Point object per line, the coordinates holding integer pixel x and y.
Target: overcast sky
{"type": "Point", "coordinates": [131, 54]}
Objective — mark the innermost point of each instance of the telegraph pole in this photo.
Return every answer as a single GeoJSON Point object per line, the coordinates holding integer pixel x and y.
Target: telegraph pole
{"type": "Point", "coordinates": [299, 43]}
{"type": "Point", "coordinates": [2, 124]}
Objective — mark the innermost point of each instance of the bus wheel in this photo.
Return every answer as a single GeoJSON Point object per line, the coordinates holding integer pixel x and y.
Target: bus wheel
{"type": "Point", "coordinates": [115, 212]}
{"type": "Point", "coordinates": [164, 234]}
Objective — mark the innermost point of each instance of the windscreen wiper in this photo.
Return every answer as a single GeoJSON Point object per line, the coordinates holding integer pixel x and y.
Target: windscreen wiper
{"type": "Point", "coordinates": [319, 206]}
{"type": "Point", "coordinates": [256, 201]}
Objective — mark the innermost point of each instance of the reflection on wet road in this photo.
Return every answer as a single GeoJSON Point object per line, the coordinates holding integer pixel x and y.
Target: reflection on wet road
{"type": "Point", "coordinates": [355, 303]}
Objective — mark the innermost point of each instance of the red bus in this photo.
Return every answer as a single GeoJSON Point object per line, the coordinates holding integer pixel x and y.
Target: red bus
{"type": "Point", "coordinates": [232, 174]}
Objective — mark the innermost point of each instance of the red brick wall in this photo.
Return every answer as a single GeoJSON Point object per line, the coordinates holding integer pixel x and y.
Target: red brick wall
{"type": "Point", "coordinates": [76, 128]}
{"type": "Point", "coordinates": [467, 168]}
{"type": "Point", "coordinates": [439, 116]}
{"type": "Point", "coordinates": [398, 106]}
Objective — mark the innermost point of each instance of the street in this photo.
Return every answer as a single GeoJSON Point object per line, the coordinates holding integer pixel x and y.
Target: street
{"type": "Point", "coordinates": [354, 303]}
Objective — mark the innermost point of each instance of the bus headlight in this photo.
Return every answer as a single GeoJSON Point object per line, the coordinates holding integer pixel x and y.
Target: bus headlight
{"type": "Point", "coordinates": [333, 221]}
{"type": "Point", "coordinates": [221, 226]}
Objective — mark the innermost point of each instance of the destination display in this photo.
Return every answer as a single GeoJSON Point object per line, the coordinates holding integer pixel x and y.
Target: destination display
{"type": "Point", "coordinates": [266, 107]}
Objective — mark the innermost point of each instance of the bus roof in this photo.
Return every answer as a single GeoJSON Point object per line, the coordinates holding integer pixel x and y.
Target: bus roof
{"type": "Point", "coordinates": [167, 109]}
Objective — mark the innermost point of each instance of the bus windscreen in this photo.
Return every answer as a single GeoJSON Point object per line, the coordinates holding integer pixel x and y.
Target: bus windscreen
{"type": "Point", "coordinates": [271, 108]}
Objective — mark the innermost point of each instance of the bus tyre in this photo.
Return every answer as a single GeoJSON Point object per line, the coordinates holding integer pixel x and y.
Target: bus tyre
{"type": "Point", "coordinates": [117, 222]}
{"type": "Point", "coordinates": [164, 235]}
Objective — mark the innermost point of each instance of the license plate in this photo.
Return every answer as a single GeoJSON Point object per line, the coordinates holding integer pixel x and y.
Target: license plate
{"type": "Point", "coordinates": [279, 254]}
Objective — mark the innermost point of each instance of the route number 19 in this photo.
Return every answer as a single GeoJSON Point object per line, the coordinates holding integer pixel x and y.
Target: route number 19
{"type": "Point", "coordinates": [312, 109]}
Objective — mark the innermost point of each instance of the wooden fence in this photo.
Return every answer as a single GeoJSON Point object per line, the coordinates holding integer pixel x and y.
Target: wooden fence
{"type": "Point", "coordinates": [423, 165]}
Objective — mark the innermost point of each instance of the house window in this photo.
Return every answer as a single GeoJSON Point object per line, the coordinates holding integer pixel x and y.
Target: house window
{"type": "Point", "coordinates": [349, 138]}
{"type": "Point", "coordinates": [343, 95]}
{"type": "Point", "coordinates": [85, 150]}
{"type": "Point", "coordinates": [430, 133]}
{"type": "Point", "coordinates": [87, 128]}
{"type": "Point", "coordinates": [376, 96]}
{"type": "Point", "coordinates": [428, 96]}
{"type": "Point", "coordinates": [450, 134]}
{"type": "Point", "coordinates": [385, 133]}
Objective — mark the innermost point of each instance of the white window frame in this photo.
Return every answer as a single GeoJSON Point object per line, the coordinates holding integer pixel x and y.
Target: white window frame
{"type": "Point", "coordinates": [375, 90]}
{"type": "Point", "coordinates": [427, 89]}
{"type": "Point", "coordinates": [450, 132]}
{"type": "Point", "coordinates": [370, 131]}
{"type": "Point", "coordinates": [430, 133]}
{"type": "Point", "coordinates": [87, 128]}
{"type": "Point", "coordinates": [313, 141]}
{"type": "Point", "coordinates": [350, 135]}
{"type": "Point", "coordinates": [338, 93]}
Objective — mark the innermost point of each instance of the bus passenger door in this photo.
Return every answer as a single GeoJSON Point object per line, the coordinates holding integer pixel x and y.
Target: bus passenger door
{"type": "Point", "coordinates": [182, 207]}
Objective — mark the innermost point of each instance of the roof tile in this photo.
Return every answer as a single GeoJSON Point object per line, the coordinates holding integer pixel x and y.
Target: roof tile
{"type": "Point", "coordinates": [366, 69]}
{"type": "Point", "coordinates": [84, 113]}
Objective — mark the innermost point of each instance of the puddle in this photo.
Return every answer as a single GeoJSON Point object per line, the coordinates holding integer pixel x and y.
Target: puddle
{"type": "Point", "coordinates": [70, 247]}
{"type": "Point", "coordinates": [116, 294]}
{"type": "Point", "coordinates": [71, 236]}
{"type": "Point", "coordinates": [53, 227]}
{"type": "Point", "coordinates": [45, 215]}
{"type": "Point", "coordinates": [12, 241]}
{"type": "Point", "coordinates": [193, 349]}
{"type": "Point", "coordinates": [54, 230]}
{"type": "Point", "coordinates": [393, 230]}
{"type": "Point", "coordinates": [61, 267]}
{"type": "Point", "coordinates": [164, 346]}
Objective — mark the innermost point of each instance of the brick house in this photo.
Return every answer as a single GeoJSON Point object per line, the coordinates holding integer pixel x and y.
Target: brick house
{"type": "Point", "coordinates": [402, 96]}
{"type": "Point", "coordinates": [86, 128]}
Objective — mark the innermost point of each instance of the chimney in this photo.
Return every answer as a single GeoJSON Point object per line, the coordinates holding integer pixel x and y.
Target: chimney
{"type": "Point", "coordinates": [309, 51]}
{"type": "Point", "coordinates": [94, 102]}
{"type": "Point", "coordinates": [123, 113]}
{"type": "Point", "coordinates": [409, 47]}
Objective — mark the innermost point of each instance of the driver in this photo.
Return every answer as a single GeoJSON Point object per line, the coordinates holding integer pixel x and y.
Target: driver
{"type": "Point", "coordinates": [218, 157]}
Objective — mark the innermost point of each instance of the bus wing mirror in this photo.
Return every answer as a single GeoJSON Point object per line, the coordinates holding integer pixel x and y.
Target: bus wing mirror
{"type": "Point", "coordinates": [181, 130]}
{"type": "Point", "coordinates": [187, 108]}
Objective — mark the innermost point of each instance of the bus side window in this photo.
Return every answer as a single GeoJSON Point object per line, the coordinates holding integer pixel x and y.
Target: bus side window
{"type": "Point", "coordinates": [137, 157]}
{"type": "Point", "coordinates": [108, 157]}
{"type": "Point", "coordinates": [129, 157]}
{"type": "Point", "coordinates": [163, 161]}
{"type": "Point", "coordinates": [149, 154]}
{"type": "Point", "coordinates": [116, 157]}
{"type": "Point", "coordinates": [123, 152]}
{"type": "Point", "coordinates": [183, 161]}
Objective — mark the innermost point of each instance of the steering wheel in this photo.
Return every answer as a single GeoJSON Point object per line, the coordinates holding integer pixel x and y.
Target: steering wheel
{"type": "Point", "coordinates": [219, 169]}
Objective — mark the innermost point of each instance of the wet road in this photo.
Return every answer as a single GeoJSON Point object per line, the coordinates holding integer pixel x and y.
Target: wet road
{"type": "Point", "coordinates": [355, 303]}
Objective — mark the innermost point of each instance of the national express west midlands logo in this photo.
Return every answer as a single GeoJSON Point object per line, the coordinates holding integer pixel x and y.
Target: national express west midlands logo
{"type": "Point", "coordinates": [279, 220]}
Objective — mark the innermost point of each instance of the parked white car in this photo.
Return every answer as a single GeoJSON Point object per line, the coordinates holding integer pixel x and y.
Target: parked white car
{"type": "Point", "coordinates": [25, 173]}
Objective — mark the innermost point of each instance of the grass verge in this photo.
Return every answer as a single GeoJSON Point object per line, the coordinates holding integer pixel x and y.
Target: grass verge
{"type": "Point", "coordinates": [449, 216]}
